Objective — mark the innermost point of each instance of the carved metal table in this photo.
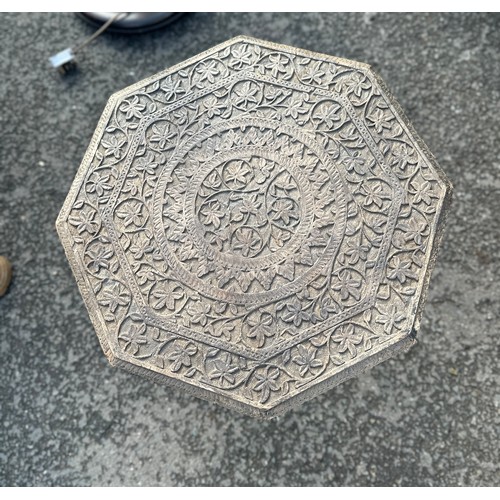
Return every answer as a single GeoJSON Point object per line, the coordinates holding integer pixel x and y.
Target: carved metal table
{"type": "Point", "coordinates": [255, 225]}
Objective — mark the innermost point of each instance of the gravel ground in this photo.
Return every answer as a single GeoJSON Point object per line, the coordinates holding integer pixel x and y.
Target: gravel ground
{"type": "Point", "coordinates": [429, 417]}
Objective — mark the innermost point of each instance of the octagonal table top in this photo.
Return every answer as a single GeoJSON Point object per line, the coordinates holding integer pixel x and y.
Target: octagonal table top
{"type": "Point", "coordinates": [255, 225]}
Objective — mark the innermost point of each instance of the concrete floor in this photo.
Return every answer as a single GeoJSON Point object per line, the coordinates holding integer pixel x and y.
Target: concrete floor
{"type": "Point", "coordinates": [430, 417]}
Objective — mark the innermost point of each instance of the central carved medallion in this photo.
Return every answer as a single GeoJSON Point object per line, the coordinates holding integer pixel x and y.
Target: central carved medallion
{"type": "Point", "coordinates": [249, 207]}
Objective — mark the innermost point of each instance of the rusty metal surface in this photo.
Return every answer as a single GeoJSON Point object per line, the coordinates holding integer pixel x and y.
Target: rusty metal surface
{"type": "Point", "coordinates": [254, 225]}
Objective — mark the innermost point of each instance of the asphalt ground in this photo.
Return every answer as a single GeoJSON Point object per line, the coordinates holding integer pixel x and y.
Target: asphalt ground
{"type": "Point", "coordinates": [428, 417]}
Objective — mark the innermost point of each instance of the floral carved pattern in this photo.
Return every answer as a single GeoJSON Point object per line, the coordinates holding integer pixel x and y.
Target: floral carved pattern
{"type": "Point", "coordinates": [254, 224]}
{"type": "Point", "coordinates": [244, 213]}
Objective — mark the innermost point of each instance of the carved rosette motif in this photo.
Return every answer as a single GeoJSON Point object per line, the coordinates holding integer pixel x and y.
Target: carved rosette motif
{"type": "Point", "coordinates": [255, 225]}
